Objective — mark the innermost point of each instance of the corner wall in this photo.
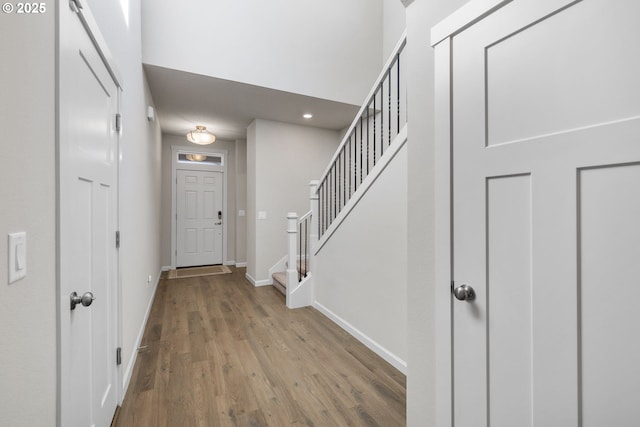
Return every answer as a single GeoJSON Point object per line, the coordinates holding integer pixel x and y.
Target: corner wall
{"type": "Point", "coordinates": [241, 202]}
{"type": "Point", "coordinates": [28, 307]}
{"type": "Point", "coordinates": [421, 378]}
{"type": "Point", "coordinates": [281, 161]}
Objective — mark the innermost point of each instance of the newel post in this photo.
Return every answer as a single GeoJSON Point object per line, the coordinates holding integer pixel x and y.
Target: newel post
{"type": "Point", "coordinates": [292, 265]}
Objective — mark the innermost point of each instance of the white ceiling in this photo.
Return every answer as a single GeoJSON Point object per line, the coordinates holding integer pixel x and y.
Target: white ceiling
{"type": "Point", "coordinates": [184, 100]}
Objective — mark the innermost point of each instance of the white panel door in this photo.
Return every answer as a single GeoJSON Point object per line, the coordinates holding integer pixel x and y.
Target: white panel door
{"type": "Point", "coordinates": [88, 103]}
{"type": "Point", "coordinates": [199, 218]}
{"type": "Point", "coordinates": [546, 215]}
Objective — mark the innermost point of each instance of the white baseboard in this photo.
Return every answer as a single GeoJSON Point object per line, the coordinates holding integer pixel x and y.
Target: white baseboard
{"type": "Point", "coordinates": [258, 283]}
{"type": "Point", "coordinates": [166, 268]}
{"type": "Point", "coordinates": [132, 362]}
{"type": "Point", "coordinates": [391, 358]}
{"type": "Point", "coordinates": [241, 264]}
{"type": "Point", "coordinates": [230, 262]}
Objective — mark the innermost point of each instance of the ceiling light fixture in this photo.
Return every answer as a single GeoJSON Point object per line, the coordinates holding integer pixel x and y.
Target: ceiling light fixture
{"type": "Point", "coordinates": [200, 136]}
{"type": "Point", "coordinates": [307, 115]}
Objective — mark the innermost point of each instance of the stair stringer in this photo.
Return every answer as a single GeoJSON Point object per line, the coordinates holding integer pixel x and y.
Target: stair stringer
{"type": "Point", "coordinates": [301, 293]}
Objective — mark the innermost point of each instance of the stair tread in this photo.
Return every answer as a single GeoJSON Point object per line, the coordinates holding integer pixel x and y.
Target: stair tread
{"type": "Point", "coordinates": [281, 277]}
{"type": "Point", "coordinates": [280, 281]}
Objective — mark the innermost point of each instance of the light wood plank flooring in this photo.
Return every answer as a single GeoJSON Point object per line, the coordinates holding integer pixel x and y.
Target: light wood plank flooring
{"type": "Point", "coordinates": [218, 352]}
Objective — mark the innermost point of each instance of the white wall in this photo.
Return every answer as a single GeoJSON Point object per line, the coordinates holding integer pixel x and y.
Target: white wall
{"type": "Point", "coordinates": [282, 159]}
{"type": "Point", "coordinates": [421, 392]}
{"type": "Point", "coordinates": [27, 203]}
{"type": "Point", "coordinates": [232, 192]}
{"type": "Point", "coordinates": [140, 173]}
{"type": "Point", "coordinates": [361, 271]}
{"type": "Point", "coordinates": [328, 49]}
{"type": "Point", "coordinates": [241, 201]}
{"type": "Point", "coordinates": [394, 22]}
{"type": "Point", "coordinates": [252, 187]}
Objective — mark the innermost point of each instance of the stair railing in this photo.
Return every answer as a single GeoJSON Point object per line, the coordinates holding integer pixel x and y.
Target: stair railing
{"type": "Point", "coordinates": [382, 116]}
{"type": "Point", "coordinates": [299, 251]}
{"type": "Point", "coordinates": [304, 234]}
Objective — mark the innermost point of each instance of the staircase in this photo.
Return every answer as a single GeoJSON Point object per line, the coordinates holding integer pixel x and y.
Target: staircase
{"type": "Point", "coordinates": [280, 281]}
{"type": "Point", "coordinates": [296, 281]}
{"type": "Point", "coordinates": [376, 135]}
{"type": "Point", "coordinates": [280, 277]}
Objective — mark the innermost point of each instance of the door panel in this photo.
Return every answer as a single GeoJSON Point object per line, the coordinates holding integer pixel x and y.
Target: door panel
{"type": "Point", "coordinates": [199, 230]}
{"type": "Point", "coordinates": [87, 224]}
{"type": "Point", "coordinates": [608, 263]}
{"type": "Point", "coordinates": [546, 145]}
{"type": "Point", "coordinates": [509, 297]}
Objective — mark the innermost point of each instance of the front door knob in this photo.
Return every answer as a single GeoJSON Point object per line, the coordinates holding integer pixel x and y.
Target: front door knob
{"type": "Point", "coordinates": [86, 299]}
{"type": "Point", "coordinates": [464, 293]}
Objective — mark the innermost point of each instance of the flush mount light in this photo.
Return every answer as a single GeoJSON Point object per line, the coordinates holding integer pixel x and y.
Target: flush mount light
{"type": "Point", "coordinates": [200, 136]}
{"type": "Point", "coordinates": [307, 115]}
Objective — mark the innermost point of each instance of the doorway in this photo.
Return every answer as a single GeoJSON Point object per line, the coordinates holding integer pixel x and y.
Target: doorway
{"type": "Point", "coordinates": [198, 207]}
{"type": "Point", "coordinates": [539, 163]}
{"type": "Point", "coordinates": [88, 103]}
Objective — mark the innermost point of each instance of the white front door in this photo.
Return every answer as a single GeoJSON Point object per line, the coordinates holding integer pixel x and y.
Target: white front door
{"type": "Point", "coordinates": [88, 103]}
{"type": "Point", "coordinates": [199, 217]}
{"type": "Point", "coordinates": [546, 215]}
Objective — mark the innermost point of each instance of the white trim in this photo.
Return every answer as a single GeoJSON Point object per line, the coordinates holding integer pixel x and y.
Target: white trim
{"type": "Point", "coordinates": [258, 283]}
{"type": "Point", "coordinates": [165, 268]}
{"type": "Point", "coordinates": [442, 244]}
{"type": "Point", "coordinates": [371, 344]}
{"type": "Point", "coordinates": [175, 149]}
{"type": "Point", "coordinates": [119, 304]}
{"type": "Point", "coordinates": [126, 379]}
{"type": "Point", "coordinates": [302, 293]}
{"type": "Point", "coordinates": [385, 160]}
{"type": "Point", "coordinates": [467, 15]}
{"type": "Point", "coordinates": [241, 264]}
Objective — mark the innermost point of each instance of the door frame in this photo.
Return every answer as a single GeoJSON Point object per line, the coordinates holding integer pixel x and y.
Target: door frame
{"type": "Point", "coordinates": [91, 27]}
{"type": "Point", "coordinates": [178, 149]}
{"type": "Point", "coordinates": [441, 42]}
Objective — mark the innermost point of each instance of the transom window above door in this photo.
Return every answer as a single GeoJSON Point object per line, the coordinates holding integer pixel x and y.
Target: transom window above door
{"type": "Point", "coordinates": [201, 158]}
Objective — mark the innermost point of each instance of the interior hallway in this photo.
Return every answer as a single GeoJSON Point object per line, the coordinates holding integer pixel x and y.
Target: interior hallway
{"type": "Point", "coordinates": [218, 352]}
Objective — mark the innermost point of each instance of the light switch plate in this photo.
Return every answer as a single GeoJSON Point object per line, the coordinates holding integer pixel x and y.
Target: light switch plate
{"type": "Point", "coordinates": [262, 215]}
{"type": "Point", "coordinates": [17, 256]}
{"type": "Point", "coordinates": [241, 212]}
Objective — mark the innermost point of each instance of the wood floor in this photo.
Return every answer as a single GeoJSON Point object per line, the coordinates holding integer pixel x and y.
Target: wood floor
{"type": "Point", "coordinates": [218, 352]}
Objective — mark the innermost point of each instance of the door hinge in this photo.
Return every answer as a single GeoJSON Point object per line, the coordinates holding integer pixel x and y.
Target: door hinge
{"type": "Point", "coordinates": [75, 5]}
{"type": "Point", "coordinates": [118, 356]}
{"type": "Point", "coordinates": [118, 239]}
{"type": "Point", "coordinates": [118, 122]}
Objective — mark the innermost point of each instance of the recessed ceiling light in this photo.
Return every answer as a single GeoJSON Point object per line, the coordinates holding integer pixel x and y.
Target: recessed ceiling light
{"type": "Point", "coordinates": [307, 115]}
